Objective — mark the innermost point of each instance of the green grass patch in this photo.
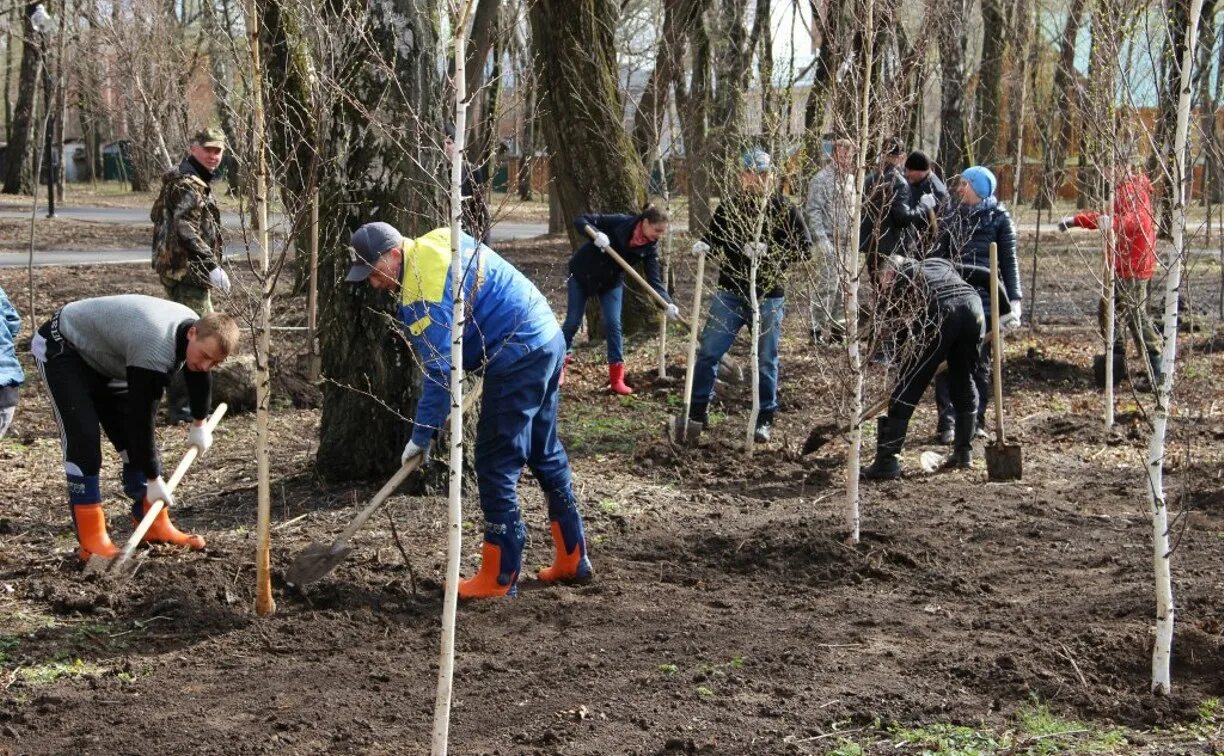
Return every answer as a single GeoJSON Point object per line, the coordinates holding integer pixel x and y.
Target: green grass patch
{"type": "Point", "coordinates": [704, 692]}
{"type": "Point", "coordinates": [948, 739]}
{"type": "Point", "coordinates": [668, 669]}
{"type": "Point", "coordinates": [589, 430]}
{"type": "Point", "coordinates": [49, 672]}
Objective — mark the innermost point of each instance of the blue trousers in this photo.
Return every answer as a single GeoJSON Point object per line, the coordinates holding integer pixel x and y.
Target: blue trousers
{"type": "Point", "coordinates": [518, 426]}
{"type": "Point", "coordinates": [728, 314]}
{"type": "Point", "coordinates": [610, 302]}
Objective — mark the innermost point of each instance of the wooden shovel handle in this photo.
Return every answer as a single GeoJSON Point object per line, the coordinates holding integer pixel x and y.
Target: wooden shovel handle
{"type": "Point", "coordinates": [659, 301]}
{"type": "Point", "coordinates": [996, 352]}
{"type": "Point", "coordinates": [157, 506]}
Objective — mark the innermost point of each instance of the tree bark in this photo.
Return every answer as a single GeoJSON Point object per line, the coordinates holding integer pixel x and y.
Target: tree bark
{"type": "Point", "coordinates": [990, 80]}
{"type": "Point", "coordinates": [679, 17]}
{"type": "Point", "coordinates": [18, 178]}
{"type": "Point", "coordinates": [379, 131]}
{"type": "Point", "coordinates": [952, 99]}
{"type": "Point", "coordinates": [1063, 104]}
{"type": "Point", "coordinates": [594, 165]}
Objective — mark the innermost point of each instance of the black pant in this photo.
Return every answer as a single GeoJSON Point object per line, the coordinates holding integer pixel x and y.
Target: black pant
{"type": "Point", "coordinates": [84, 400]}
{"type": "Point", "coordinates": [957, 340]}
{"type": "Point", "coordinates": [981, 382]}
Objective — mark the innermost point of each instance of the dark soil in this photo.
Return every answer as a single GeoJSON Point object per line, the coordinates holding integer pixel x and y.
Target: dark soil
{"type": "Point", "coordinates": [728, 614]}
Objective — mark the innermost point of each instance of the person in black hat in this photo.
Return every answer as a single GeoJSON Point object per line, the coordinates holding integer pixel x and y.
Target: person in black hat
{"type": "Point", "coordinates": [887, 209]}
{"type": "Point", "coordinates": [474, 217]}
{"type": "Point", "coordinates": [920, 235]}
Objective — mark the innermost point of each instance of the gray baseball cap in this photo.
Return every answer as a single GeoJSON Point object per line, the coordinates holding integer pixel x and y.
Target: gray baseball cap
{"type": "Point", "coordinates": [367, 245]}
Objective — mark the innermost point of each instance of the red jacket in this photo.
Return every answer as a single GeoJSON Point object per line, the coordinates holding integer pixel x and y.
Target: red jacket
{"type": "Point", "coordinates": [1134, 230]}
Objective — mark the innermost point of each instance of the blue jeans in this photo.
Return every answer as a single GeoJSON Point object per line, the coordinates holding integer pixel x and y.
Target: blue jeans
{"type": "Point", "coordinates": [518, 426]}
{"type": "Point", "coordinates": [728, 314]}
{"type": "Point", "coordinates": [609, 302]}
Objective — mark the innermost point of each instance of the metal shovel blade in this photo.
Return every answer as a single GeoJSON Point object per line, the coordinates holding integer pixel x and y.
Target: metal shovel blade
{"type": "Point", "coordinates": [315, 561]}
{"type": "Point", "coordinates": [1004, 461]}
{"type": "Point", "coordinates": [686, 434]}
{"type": "Point", "coordinates": [820, 435]}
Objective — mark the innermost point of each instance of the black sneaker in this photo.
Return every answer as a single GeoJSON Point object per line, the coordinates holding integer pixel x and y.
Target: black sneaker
{"type": "Point", "coordinates": [762, 432]}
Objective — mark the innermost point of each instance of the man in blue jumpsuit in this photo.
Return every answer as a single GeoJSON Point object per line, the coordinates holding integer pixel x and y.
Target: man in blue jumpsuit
{"type": "Point", "coordinates": [512, 336]}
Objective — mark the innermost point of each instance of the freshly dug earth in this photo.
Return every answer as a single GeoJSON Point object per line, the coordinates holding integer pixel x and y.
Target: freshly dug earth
{"type": "Point", "coordinates": [727, 615]}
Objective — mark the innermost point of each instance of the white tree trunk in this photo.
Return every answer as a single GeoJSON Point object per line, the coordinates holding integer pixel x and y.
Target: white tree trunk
{"type": "Point", "coordinates": [264, 603]}
{"type": "Point", "coordinates": [850, 284]}
{"type": "Point", "coordinates": [454, 533]}
{"type": "Point", "coordinates": [755, 360]}
{"type": "Point", "coordinates": [1110, 317]}
{"type": "Point", "coordinates": [1161, 652]}
{"type": "Point", "coordinates": [666, 267]}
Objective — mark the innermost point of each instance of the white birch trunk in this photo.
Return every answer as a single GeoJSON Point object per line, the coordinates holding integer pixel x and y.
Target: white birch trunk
{"type": "Point", "coordinates": [454, 533]}
{"type": "Point", "coordinates": [666, 266]}
{"type": "Point", "coordinates": [850, 284]}
{"type": "Point", "coordinates": [755, 360]}
{"type": "Point", "coordinates": [1161, 652]}
{"type": "Point", "coordinates": [264, 603]}
{"type": "Point", "coordinates": [1110, 317]}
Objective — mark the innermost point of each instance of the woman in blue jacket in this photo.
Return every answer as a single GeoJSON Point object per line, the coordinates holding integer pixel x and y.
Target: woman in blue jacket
{"type": "Point", "coordinates": [11, 375]}
{"type": "Point", "coordinates": [595, 274]}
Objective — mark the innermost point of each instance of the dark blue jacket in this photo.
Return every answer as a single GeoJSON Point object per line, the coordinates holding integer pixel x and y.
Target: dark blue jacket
{"type": "Point", "coordinates": [965, 240]}
{"type": "Point", "coordinates": [597, 273]}
{"type": "Point", "coordinates": [10, 324]}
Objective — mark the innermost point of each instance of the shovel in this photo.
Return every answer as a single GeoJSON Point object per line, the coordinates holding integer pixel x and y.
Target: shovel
{"type": "Point", "coordinates": [682, 429]}
{"type": "Point", "coordinates": [1004, 461]}
{"type": "Point", "coordinates": [100, 564]}
{"type": "Point", "coordinates": [316, 560]}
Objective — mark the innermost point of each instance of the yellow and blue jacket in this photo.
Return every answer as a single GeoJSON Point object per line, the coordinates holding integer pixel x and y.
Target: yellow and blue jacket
{"type": "Point", "coordinates": [506, 317]}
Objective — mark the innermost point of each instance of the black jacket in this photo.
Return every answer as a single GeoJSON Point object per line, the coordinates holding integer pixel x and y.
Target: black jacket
{"type": "Point", "coordinates": [597, 273]}
{"type": "Point", "coordinates": [887, 212]}
{"type": "Point", "coordinates": [918, 240]}
{"type": "Point", "coordinates": [734, 225]}
{"type": "Point", "coordinates": [965, 240]}
{"type": "Point", "coordinates": [474, 210]}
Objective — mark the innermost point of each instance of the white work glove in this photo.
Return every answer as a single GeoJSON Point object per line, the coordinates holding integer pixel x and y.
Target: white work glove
{"type": "Point", "coordinates": [1066, 223]}
{"type": "Point", "coordinates": [219, 278]}
{"type": "Point", "coordinates": [927, 201]}
{"type": "Point", "coordinates": [672, 312]}
{"type": "Point", "coordinates": [1104, 222]}
{"type": "Point", "coordinates": [700, 248]}
{"type": "Point", "coordinates": [157, 491]}
{"type": "Point", "coordinates": [200, 436]}
{"type": "Point", "coordinates": [1011, 320]}
{"type": "Point", "coordinates": [411, 450]}
{"type": "Point", "coordinates": [601, 240]}
{"type": "Point", "coordinates": [755, 249]}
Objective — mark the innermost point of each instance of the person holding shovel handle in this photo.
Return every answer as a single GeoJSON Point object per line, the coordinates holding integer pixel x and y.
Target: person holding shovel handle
{"type": "Point", "coordinates": [595, 274]}
{"type": "Point", "coordinates": [106, 362]}
{"type": "Point", "coordinates": [756, 221]}
{"type": "Point", "coordinates": [939, 316]}
{"type": "Point", "coordinates": [511, 335]}
{"type": "Point", "coordinates": [965, 239]}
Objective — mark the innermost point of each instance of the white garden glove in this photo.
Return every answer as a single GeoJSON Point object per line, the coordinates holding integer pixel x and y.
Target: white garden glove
{"type": "Point", "coordinates": [219, 278]}
{"type": "Point", "coordinates": [601, 240]}
{"type": "Point", "coordinates": [411, 450]}
{"type": "Point", "coordinates": [1104, 222]}
{"type": "Point", "coordinates": [755, 249]}
{"type": "Point", "coordinates": [672, 312]}
{"type": "Point", "coordinates": [1011, 320]}
{"type": "Point", "coordinates": [157, 491]}
{"type": "Point", "coordinates": [700, 248]}
{"type": "Point", "coordinates": [200, 436]}
{"type": "Point", "coordinates": [927, 201]}
{"type": "Point", "coordinates": [1066, 223]}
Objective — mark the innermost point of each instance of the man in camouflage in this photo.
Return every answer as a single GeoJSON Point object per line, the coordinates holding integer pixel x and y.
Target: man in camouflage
{"type": "Point", "coordinates": [187, 242]}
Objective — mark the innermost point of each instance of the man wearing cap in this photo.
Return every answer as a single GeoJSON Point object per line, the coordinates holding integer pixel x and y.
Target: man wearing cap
{"type": "Point", "coordinates": [830, 213]}
{"type": "Point", "coordinates": [968, 231]}
{"type": "Point", "coordinates": [887, 209]}
{"type": "Point", "coordinates": [758, 221]}
{"type": "Point", "coordinates": [512, 336]}
{"type": "Point", "coordinates": [921, 234]}
{"type": "Point", "coordinates": [187, 240]}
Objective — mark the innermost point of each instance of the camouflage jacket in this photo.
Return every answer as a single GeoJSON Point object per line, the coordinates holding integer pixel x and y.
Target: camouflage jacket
{"type": "Point", "coordinates": [187, 241]}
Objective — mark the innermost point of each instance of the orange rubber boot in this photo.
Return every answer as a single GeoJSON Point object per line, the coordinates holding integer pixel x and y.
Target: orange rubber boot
{"type": "Point", "coordinates": [163, 531]}
{"type": "Point", "coordinates": [90, 521]}
{"type": "Point", "coordinates": [570, 565]}
{"type": "Point", "coordinates": [616, 379]}
{"type": "Point", "coordinates": [490, 581]}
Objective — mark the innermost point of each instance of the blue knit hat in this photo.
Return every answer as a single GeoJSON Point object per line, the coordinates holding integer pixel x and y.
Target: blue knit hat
{"type": "Point", "coordinates": [982, 180]}
{"type": "Point", "coordinates": [756, 160]}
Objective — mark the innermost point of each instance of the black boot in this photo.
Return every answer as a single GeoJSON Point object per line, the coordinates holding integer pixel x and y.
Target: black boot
{"type": "Point", "coordinates": [962, 453]}
{"type": "Point", "coordinates": [890, 437]}
{"type": "Point", "coordinates": [764, 424]}
{"type": "Point", "coordinates": [943, 430]}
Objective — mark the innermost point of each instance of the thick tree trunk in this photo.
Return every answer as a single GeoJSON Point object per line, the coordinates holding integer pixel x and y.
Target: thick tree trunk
{"type": "Point", "coordinates": [1207, 103]}
{"type": "Point", "coordinates": [380, 137]}
{"type": "Point", "coordinates": [679, 17]}
{"type": "Point", "coordinates": [594, 165]}
{"type": "Point", "coordinates": [1063, 103]}
{"type": "Point", "coordinates": [990, 80]}
{"type": "Point", "coordinates": [952, 98]}
{"type": "Point", "coordinates": [18, 178]}
{"type": "Point", "coordinates": [693, 105]}
{"type": "Point", "coordinates": [527, 146]}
